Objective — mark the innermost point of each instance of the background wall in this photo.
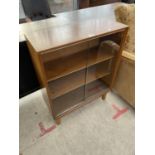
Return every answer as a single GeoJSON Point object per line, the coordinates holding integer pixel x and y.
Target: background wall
{"type": "Point", "coordinates": [56, 6]}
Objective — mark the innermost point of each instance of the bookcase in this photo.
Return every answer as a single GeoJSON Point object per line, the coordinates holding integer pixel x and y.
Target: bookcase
{"type": "Point", "coordinates": [76, 63]}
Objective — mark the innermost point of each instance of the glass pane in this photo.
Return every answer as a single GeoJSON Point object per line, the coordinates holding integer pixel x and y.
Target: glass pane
{"type": "Point", "coordinates": [66, 73]}
{"type": "Point", "coordinates": [99, 65]}
{"type": "Point", "coordinates": [67, 102]}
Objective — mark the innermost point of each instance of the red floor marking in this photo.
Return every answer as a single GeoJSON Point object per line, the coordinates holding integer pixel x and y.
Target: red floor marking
{"type": "Point", "coordinates": [119, 111]}
{"type": "Point", "coordinates": [45, 131]}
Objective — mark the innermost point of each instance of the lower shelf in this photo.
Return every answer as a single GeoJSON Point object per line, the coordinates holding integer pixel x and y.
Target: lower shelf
{"type": "Point", "coordinates": [95, 87]}
{"type": "Point", "coordinates": [78, 97]}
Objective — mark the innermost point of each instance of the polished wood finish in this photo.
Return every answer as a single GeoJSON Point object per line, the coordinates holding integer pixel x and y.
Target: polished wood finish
{"type": "Point", "coordinates": [106, 12]}
{"type": "Point", "coordinates": [38, 65]}
{"type": "Point", "coordinates": [74, 33]}
{"type": "Point", "coordinates": [70, 61]}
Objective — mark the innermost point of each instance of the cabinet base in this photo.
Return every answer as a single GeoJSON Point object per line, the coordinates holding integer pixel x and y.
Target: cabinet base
{"type": "Point", "coordinates": [58, 121]}
{"type": "Point", "coordinates": [104, 96]}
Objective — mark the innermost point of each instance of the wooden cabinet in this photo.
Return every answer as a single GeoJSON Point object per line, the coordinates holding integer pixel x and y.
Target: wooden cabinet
{"type": "Point", "coordinates": [77, 62]}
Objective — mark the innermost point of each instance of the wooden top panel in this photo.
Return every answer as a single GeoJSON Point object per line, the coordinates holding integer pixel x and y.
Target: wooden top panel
{"type": "Point", "coordinates": [56, 37]}
{"type": "Point", "coordinates": [70, 17]}
{"type": "Point", "coordinates": [71, 27]}
{"type": "Point", "coordinates": [42, 24]}
{"type": "Point", "coordinates": [103, 11]}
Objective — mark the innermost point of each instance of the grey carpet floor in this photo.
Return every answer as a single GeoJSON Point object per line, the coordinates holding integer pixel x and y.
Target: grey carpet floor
{"type": "Point", "coordinates": [91, 130]}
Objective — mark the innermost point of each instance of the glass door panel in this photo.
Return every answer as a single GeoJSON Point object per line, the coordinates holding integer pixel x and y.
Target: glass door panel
{"type": "Point", "coordinates": [99, 65]}
{"type": "Point", "coordinates": [66, 75]}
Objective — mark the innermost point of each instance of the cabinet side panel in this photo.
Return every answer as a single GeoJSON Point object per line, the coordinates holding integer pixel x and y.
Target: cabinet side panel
{"type": "Point", "coordinates": [118, 58]}
{"type": "Point", "coordinates": [37, 64]}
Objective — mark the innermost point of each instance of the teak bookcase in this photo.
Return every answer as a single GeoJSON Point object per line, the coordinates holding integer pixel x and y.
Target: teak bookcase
{"type": "Point", "coordinates": [76, 63]}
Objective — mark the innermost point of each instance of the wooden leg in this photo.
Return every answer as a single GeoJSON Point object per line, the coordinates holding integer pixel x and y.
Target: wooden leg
{"type": "Point", "coordinates": [104, 96]}
{"type": "Point", "coordinates": [58, 121]}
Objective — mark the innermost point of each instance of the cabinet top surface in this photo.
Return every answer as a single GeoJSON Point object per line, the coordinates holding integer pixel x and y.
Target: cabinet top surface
{"type": "Point", "coordinates": [72, 27]}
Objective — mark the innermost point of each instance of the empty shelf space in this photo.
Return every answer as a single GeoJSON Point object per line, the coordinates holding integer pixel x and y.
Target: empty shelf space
{"type": "Point", "coordinates": [95, 87]}
{"type": "Point", "coordinates": [75, 80]}
{"type": "Point", "coordinates": [95, 56]}
{"type": "Point", "coordinates": [68, 101]}
{"type": "Point", "coordinates": [78, 97]}
{"type": "Point", "coordinates": [64, 66]}
{"type": "Point", "coordinates": [98, 71]}
{"type": "Point", "coordinates": [68, 83]}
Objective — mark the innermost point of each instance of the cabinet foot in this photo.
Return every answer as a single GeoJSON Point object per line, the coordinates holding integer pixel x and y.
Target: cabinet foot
{"type": "Point", "coordinates": [104, 96]}
{"type": "Point", "coordinates": [58, 121]}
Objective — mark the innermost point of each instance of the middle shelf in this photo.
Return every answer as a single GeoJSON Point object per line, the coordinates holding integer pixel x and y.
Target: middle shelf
{"type": "Point", "coordinates": [67, 65]}
{"type": "Point", "coordinates": [75, 80]}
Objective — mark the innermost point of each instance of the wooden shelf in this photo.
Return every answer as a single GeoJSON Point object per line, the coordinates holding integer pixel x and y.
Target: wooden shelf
{"type": "Point", "coordinates": [67, 65]}
{"type": "Point", "coordinates": [98, 71]}
{"type": "Point", "coordinates": [75, 99]}
{"type": "Point", "coordinates": [66, 102]}
{"type": "Point", "coordinates": [66, 84]}
{"type": "Point", "coordinates": [95, 56]}
{"type": "Point", "coordinates": [64, 66]}
{"type": "Point", "coordinates": [75, 80]}
{"type": "Point", "coordinates": [95, 87]}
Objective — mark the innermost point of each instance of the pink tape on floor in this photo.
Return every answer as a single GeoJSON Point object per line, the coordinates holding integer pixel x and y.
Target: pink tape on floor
{"type": "Point", "coordinates": [119, 111]}
{"type": "Point", "coordinates": [45, 131]}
